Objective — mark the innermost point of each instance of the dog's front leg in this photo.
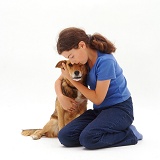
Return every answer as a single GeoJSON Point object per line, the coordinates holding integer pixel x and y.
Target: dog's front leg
{"type": "Point", "coordinates": [60, 112]}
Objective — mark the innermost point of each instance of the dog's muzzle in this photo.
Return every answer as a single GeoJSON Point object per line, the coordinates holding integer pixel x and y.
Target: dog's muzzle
{"type": "Point", "coordinates": [77, 76]}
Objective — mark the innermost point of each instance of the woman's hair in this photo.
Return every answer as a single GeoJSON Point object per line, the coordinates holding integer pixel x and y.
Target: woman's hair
{"type": "Point", "coordinates": [69, 38]}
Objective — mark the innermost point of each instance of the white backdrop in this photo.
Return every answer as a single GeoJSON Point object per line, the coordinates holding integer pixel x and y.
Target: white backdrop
{"type": "Point", "coordinates": [28, 33]}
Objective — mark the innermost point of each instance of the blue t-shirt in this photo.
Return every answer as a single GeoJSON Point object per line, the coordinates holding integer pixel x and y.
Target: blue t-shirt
{"type": "Point", "coordinates": [105, 68]}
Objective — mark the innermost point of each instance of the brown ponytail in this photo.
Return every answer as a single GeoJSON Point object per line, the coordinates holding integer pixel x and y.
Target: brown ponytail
{"type": "Point", "coordinates": [98, 42]}
{"type": "Point", "coordinates": [69, 38]}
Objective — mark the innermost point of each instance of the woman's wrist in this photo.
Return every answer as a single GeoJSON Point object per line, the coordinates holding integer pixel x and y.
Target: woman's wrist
{"type": "Point", "coordinates": [60, 95]}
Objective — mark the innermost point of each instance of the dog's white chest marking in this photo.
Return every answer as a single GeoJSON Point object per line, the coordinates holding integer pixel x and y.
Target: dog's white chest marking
{"type": "Point", "coordinates": [79, 98]}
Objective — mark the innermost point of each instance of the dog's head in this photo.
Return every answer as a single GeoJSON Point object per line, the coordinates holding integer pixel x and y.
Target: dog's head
{"type": "Point", "coordinates": [76, 71]}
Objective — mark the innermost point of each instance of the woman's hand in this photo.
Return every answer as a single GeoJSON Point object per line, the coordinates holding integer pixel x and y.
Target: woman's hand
{"type": "Point", "coordinates": [67, 103]}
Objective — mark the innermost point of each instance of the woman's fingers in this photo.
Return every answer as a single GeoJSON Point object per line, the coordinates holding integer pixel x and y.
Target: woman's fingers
{"type": "Point", "coordinates": [73, 106]}
{"type": "Point", "coordinates": [74, 102]}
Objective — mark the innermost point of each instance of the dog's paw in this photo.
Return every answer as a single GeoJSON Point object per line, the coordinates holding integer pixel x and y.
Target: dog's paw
{"type": "Point", "coordinates": [35, 137]}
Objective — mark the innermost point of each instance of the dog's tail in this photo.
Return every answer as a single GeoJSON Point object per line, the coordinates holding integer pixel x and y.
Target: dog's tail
{"type": "Point", "coordinates": [28, 132]}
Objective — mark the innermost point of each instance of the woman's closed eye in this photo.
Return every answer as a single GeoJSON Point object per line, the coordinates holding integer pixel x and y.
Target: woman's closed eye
{"type": "Point", "coordinates": [71, 57]}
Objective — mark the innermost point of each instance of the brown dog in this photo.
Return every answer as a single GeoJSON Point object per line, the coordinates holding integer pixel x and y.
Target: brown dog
{"type": "Point", "coordinates": [61, 117]}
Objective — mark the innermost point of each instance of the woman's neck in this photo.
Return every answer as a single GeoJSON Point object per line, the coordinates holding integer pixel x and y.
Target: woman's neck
{"type": "Point", "coordinates": [92, 57]}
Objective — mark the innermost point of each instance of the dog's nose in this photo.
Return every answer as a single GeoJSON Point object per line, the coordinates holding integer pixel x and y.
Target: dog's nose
{"type": "Point", "coordinates": [76, 73]}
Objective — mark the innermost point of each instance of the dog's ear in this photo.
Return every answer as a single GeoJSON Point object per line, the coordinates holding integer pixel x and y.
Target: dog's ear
{"type": "Point", "coordinates": [59, 64]}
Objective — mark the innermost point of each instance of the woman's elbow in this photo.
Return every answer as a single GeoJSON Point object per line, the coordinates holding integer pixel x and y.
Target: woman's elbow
{"type": "Point", "coordinates": [98, 101]}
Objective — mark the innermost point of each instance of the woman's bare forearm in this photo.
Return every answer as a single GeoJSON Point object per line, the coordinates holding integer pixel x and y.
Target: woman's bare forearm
{"type": "Point", "coordinates": [58, 89]}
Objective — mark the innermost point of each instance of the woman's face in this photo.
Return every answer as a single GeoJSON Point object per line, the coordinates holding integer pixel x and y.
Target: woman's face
{"type": "Point", "coordinates": [76, 56]}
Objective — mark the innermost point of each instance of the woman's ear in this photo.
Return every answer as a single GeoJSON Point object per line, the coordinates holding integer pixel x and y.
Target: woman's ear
{"type": "Point", "coordinates": [81, 44]}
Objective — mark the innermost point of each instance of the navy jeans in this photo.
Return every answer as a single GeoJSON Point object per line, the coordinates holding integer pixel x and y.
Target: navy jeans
{"type": "Point", "coordinates": [96, 129]}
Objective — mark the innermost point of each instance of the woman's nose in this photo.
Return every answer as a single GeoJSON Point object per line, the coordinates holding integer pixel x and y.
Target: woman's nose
{"type": "Point", "coordinates": [72, 62]}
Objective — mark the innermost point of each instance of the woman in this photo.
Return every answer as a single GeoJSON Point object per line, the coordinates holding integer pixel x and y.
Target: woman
{"type": "Point", "coordinates": [108, 124]}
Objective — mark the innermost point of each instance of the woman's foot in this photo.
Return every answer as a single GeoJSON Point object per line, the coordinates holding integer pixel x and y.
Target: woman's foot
{"type": "Point", "coordinates": [136, 133]}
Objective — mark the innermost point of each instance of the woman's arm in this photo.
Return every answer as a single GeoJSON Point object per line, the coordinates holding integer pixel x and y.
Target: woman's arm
{"type": "Point", "coordinates": [66, 102]}
{"type": "Point", "coordinates": [96, 96]}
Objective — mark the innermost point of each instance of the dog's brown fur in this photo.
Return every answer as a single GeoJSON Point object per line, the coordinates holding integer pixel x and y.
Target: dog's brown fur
{"type": "Point", "coordinates": [61, 117]}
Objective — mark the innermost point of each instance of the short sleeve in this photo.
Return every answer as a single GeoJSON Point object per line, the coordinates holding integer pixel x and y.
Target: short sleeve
{"type": "Point", "coordinates": [106, 69]}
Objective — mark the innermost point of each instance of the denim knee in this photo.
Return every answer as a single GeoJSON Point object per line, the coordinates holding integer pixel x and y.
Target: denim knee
{"type": "Point", "coordinates": [68, 139]}
{"type": "Point", "coordinates": [88, 140]}
{"type": "Point", "coordinates": [62, 138]}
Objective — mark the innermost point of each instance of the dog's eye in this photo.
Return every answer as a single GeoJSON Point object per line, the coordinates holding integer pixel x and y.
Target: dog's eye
{"type": "Point", "coordinates": [70, 64]}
